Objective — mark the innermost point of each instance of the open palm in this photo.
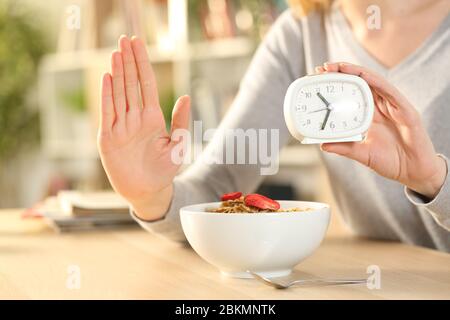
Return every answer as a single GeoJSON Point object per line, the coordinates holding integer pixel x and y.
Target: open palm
{"type": "Point", "coordinates": [135, 147]}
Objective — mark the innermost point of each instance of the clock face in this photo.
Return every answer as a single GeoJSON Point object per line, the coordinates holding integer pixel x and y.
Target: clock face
{"type": "Point", "coordinates": [328, 106]}
{"type": "Point", "coordinates": [341, 104]}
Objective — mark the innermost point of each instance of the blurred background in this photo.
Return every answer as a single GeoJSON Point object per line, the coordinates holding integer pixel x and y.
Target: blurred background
{"type": "Point", "coordinates": [52, 55]}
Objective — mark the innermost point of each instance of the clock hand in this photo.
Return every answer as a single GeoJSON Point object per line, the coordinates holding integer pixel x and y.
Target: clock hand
{"type": "Point", "coordinates": [326, 119]}
{"type": "Point", "coordinates": [328, 110]}
{"type": "Point", "coordinates": [318, 110]}
{"type": "Point", "coordinates": [323, 99]}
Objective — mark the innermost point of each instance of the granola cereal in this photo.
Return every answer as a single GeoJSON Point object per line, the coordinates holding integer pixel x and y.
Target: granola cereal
{"type": "Point", "coordinates": [243, 205]}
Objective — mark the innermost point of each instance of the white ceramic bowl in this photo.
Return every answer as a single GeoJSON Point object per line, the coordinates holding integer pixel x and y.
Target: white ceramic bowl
{"type": "Point", "coordinates": [270, 244]}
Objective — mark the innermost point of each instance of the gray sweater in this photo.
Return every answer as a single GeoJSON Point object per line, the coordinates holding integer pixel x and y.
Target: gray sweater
{"type": "Point", "coordinates": [371, 205]}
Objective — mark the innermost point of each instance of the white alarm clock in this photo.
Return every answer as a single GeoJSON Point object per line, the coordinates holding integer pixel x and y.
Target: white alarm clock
{"type": "Point", "coordinates": [328, 107]}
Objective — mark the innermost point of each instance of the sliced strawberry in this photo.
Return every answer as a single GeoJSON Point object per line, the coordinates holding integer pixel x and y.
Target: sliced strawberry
{"type": "Point", "coordinates": [261, 202]}
{"type": "Point", "coordinates": [231, 196]}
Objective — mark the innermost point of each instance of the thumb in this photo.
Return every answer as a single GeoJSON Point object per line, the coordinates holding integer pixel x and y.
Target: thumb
{"type": "Point", "coordinates": [180, 113]}
{"type": "Point", "coordinates": [358, 151]}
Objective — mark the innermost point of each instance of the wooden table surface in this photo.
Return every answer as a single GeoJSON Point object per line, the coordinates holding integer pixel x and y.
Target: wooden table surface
{"type": "Point", "coordinates": [134, 264]}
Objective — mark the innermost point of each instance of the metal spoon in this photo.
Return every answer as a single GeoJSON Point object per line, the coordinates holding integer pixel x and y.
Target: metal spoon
{"type": "Point", "coordinates": [322, 282]}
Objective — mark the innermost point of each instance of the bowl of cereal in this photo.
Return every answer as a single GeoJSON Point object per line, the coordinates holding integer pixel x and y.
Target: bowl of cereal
{"type": "Point", "coordinates": [255, 233]}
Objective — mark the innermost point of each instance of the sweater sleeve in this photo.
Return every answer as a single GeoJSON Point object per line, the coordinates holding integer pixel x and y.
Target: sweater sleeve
{"type": "Point", "coordinates": [439, 207]}
{"type": "Point", "coordinates": [257, 106]}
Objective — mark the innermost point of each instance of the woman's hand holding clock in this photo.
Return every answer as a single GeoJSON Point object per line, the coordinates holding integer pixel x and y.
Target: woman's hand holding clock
{"type": "Point", "coordinates": [397, 145]}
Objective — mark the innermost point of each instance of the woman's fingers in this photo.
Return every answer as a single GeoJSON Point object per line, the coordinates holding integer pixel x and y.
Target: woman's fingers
{"type": "Point", "coordinates": [327, 67]}
{"type": "Point", "coordinates": [118, 86]}
{"type": "Point", "coordinates": [381, 112]}
{"type": "Point", "coordinates": [378, 82]}
{"type": "Point", "coordinates": [319, 69]}
{"type": "Point", "coordinates": [130, 73]}
{"type": "Point", "coordinates": [358, 151]}
{"type": "Point", "coordinates": [181, 113]}
{"type": "Point", "coordinates": [374, 80]}
{"type": "Point", "coordinates": [331, 67]}
{"type": "Point", "coordinates": [398, 107]}
{"type": "Point", "coordinates": [107, 114]}
{"type": "Point", "coordinates": [147, 80]}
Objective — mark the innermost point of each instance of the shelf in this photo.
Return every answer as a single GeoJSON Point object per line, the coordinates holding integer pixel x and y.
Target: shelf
{"type": "Point", "coordinates": [66, 61]}
{"type": "Point", "coordinates": [91, 63]}
{"type": "Point", "coordinates": [217, 49]}
{"type": "Point", "coordinates": [223, 48]}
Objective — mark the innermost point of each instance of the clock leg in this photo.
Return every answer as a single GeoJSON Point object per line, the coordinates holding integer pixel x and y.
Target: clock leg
{"type": "Point", "coordinates": [358, 137]}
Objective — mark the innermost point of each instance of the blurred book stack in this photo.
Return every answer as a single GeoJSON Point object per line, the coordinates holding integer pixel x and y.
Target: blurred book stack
{"type": "Point", "coordinates": [80, 211]}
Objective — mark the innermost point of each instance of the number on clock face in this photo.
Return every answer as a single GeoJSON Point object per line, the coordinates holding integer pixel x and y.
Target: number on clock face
{"type": "Point", "coordinates": [346, 107]}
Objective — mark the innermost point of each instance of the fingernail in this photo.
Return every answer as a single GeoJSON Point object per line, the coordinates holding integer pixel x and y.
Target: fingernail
{"type": "Point", "coordinates": [122, 37]}
{"type": "Point", "coordinates": [135, 37]}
